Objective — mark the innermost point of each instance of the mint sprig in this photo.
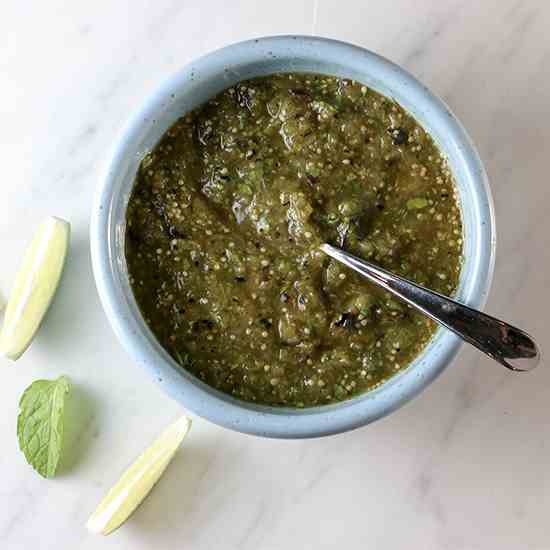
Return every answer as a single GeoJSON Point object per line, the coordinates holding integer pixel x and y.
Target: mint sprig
{"type": "Point", "coordinates": [40, 424]}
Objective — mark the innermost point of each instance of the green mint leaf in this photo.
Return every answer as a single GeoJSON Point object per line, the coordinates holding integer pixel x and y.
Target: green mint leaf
{"type": "Point", "coordinates": [40, 424]}
{"type": "Point", "coordinates": [417, 203]}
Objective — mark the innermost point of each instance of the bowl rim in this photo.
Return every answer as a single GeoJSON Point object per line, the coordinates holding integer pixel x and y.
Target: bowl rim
{"type": "Point", "coordinates": [222, 409]}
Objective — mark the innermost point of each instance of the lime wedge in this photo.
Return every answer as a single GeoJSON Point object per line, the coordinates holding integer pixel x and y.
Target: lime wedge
{"type": "Point", "coordinates": [35, 286]}
{"type": "Point", "coordinates": [138, 480]}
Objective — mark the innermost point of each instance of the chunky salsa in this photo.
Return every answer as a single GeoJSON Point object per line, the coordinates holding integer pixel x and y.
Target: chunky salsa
{"type": "Point", "coordinates": [224, 227]}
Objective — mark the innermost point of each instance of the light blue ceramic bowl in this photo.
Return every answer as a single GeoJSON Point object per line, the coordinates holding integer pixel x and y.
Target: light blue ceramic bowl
{"type": "Point", "coordinates": [191, 87]}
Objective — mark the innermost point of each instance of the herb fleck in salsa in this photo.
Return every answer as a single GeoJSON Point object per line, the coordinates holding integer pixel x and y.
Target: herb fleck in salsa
{"type": "Point", "coordinates": [226, 219]}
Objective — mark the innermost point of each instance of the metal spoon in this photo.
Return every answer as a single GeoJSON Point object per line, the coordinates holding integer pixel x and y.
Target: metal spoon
{"type": "Point", "coordinates": [508, 345]}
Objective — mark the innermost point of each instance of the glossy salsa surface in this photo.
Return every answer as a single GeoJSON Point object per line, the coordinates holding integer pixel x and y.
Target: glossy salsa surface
{"type": "Point", "coordinates": [224, 227]}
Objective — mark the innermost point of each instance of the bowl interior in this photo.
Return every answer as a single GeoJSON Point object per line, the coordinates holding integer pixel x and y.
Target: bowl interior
{"type": "Point", "coordinates": [193, 86]}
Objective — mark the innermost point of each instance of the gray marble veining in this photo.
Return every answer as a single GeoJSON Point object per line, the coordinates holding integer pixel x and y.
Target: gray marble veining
{"type": "Point", "coordinates": [462, 467]}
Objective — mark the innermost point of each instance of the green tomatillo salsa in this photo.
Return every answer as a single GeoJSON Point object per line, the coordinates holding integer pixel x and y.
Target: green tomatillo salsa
{"type": "Point", "coordinates": [224, 227]}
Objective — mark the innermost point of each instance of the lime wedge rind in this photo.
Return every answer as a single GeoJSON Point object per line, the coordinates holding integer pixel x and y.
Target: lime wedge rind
{"type": "Point", "coordinates": [138, 480]}
{"type": "Point", "coordinates": [35, 285]}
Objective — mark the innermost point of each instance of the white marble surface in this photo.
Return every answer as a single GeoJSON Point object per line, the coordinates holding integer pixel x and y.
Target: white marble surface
{"type": "Point", "coordinates": [463, 467]}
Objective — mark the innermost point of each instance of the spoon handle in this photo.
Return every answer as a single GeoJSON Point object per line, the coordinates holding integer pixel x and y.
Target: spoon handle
{"type": "Point", "coordinates": [508, 345]}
